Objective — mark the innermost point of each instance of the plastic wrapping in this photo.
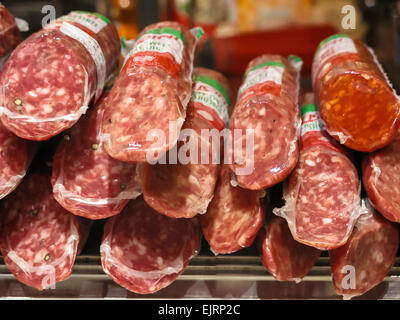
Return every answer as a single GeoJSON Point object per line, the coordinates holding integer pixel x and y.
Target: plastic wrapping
{"type": "Point", "coordinates": [283, 257]}
{"type": "Point", "coordinates": [148, 101]}
{"type": "Point", "coordinates": [322, 195]}
{"type": "Point", "coordinates": [348, 79]}
{"type": "Point", "coordinates": [50, 79]}
{"type": "Point", "coordinates": [39, 239]}
{"type": "Point", "coordinates": [233, 217]}
{"type": "Point", "coordinates": [144, 251]}
{"type": "Point", "coordinates": [366, 258]}
{"type": "Point", "coordinates": [268, 105]}
{"type": "Point", "coordinates": [16, 155]}
{"type": "Point", "coordinates": [382, 179]}
{"type": "Point", "coordinates": [184, 190]}
{"type": "Point", "coordinates": [86, 180]}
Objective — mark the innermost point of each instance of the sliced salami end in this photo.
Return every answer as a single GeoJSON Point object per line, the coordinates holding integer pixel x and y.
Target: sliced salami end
{"type": "Point", "coordinates": [322, 198]}
{"type": "Point", "coordinates": [51, 77]}
{"type": "Point", "coordinates": [86, 180]}
{"type": "Point", "coordinates": [143, 100]}
{"type": "Point", "coordinates": [15, 157]}
{"type": "Point", "coordinates": [10, 35]}
{"type": "Point", "coordinates": [144, 251]}
{"type": "Point", "coordinates": [366, 258]}
{"type": "Point", "coordinates": [184, 190]}
{"type": "Point", "coordinates": [39, 239]}
{"type": "Point", "coordinates": [149, 98]}
{"type": "Point", "coordinates": [348, 79]}
{"type": "Point", "coordinates": [382, 179]}
{"type": "Point", "coordinates": [233, 217]}
{"type": "Point", "coordinates": [265, 123]}
{"type": "Point", "coordinates": [283, 257]}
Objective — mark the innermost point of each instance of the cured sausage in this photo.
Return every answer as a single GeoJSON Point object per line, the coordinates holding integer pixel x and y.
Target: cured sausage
{"type": "Point", "coordinates": [51, 77]}
{"type": "Point", "coordinates": [233, 217]}
{"type": "Point", "coordinates": [323, 192]}
{"type": "Point", "coordinates": [86, 180]}
{"type": "Point", "coordinates": [150, 95]}
{"type": "Point", "coordinates": [348, 80]}
{"type": "Point", "coordinates": [15, 157]}
{"type": "Point", "coordinates": [382, 180]}
{"type": "Point", "coordinates": [267, 105]}
{"type": "Point", "coordinates": [144, 251]}
{"type": "Point", "coordinates": [183, 190]}
{"type": "Point", "coordinates": [9, 32]}
{"type": "Point", "coordinates": [39, 239]}
{"type": "Point", "coordinates": [366, 258]}
{"type": "Point", "coordinates": [283, 257]}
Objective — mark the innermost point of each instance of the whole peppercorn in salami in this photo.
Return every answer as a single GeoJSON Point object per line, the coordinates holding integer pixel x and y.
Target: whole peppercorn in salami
{"type": "Point", "coordinates": [39, 239]}
{"type": "Point", "coordinates": [86, 180]}
{"type": "Point", "coordinates": [51, 77]}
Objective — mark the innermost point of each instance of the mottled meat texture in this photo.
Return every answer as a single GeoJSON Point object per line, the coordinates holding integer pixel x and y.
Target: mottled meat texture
{"type": "Point", "coordinates": [381, 177]}
{"type": "Point", "coordinates": [233, 217]}
{"type": "Point", "coordinates": [50, 79]}
{"type": "Point", "coordinates": [144, 251]}
{"type": "Point", "coordinates": [184, 190]}
{"type": "Point", "coordinates": [285, 258]}
{"type": "Point", "coordinates": [15, 157]}
{"type": "Point", "coordinates": [147, 97]}
{"type": "Point", "coordinates": [39, 239]}
{"type": "Point", "coordinates": [275, 120]}
{"type": "Point", "coordinates": [9, 32]}
{"type": "Point", "coordinates": [86, 180]}
{"type": "Point", "coordinates": [366, 258]}
{"type": "Point", "coordinates": [322, 198]}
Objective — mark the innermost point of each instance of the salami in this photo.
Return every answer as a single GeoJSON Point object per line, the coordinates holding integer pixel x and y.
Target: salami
{"type": "Point", "coordinates": [86, 180]}
{"type": "Point", "coordinates": [151, 94]}
{"type": "Point", "coordinates": [381, 177]}
{"type": "Point", "coordinates": [323, 193]}
{"type": "Point", "coordinates": [51, 77]}
{"type": "Point", "coordinates": [15, 157]}
{"type": "Point", "coordinates": [144, 251]}
{"type": "Point", "coordinates": [348, 80]}
{"type": "Point", "coordinates": [39, 239]}
{"type": "Point", "coordinates": [184, 190]}
{"type": "Point", "coordinates": [283, 257]}
{"type": "Point", "coordinates": [9, 32]}
{"type": "Point", "coordinates": [268, 105]}
{"type": "Point", "coordinates": [366, 258]}
{"type": "Point", "coordinates": [233, 217]}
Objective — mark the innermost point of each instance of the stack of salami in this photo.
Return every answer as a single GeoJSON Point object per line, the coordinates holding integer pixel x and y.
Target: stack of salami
{"type": "Point", "coordinates": [165, 157]}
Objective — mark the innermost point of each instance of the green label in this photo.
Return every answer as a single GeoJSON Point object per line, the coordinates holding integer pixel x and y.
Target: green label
{"type": "Point", "coordinates": [308, 108]}
{"type": "Point", "coordinates": [176, 33]}
{"type": "Point", "coordinates": [215, 84]}
{"type": "Point", "coordinates": [106, 20]}
{"type": "Point", "coordinates": [265, 64]}
{"type": "Point", "coordinates": [325, 41]}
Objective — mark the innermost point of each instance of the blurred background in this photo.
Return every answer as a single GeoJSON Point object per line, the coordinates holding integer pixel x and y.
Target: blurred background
{"type": "Point", "coordinates": [239, 30]}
